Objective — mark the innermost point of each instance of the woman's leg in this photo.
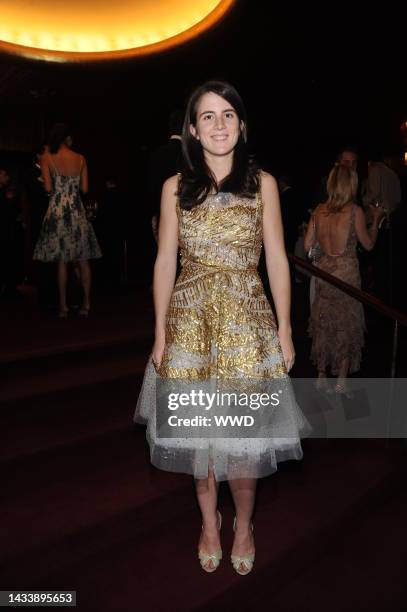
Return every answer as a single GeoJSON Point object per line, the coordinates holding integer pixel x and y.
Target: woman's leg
{"type": "Point", "coordinates": [322, 381]}
{"type": "Point", "coordinates": [77, 270]}
{"type": "Point", "coordinates": [244, 495]}
{"type": "Point", "coordinates": [86, 280]}
{"type": "Point", "coordinates": [342, 374]}
{"type": "Point", "coordinates": [344, 367]}
{"type": "Point", "coordinates": [207, 494]}
{"type": "Point", "coordinates": [62, 279]}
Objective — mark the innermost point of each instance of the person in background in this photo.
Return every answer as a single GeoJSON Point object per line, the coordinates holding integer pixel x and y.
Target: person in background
{"type": "Point", "coordinates": [347, 156]}
{"type": "Point", "coordinates": [337, 320]}
{"type": "Point", "coordinates": [383, 184]}
{"type": "Point", "coordinates": [110, 226]}
{"type": "Point", "coordinates": [292, 210]}
{"type": "Point", "coordinates": [66, 235]}
{"type": "Point", "coordinates": [164, 162]}
{"type": "Point", "coordinates": [382, 188]}
{"type": "Point", "coordinates": [292, 217]}
{"type": "Point", "coordinates": [11, 238]}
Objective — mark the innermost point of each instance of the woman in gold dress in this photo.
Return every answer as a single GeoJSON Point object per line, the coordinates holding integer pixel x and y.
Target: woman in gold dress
{"type": "Point", "coordinates": [215, 326]}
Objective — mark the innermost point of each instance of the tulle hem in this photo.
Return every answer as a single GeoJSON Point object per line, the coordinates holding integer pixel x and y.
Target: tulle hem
{"type": "Point", "coordinates": [224, 465]}
{"type": "Point", "coordinates": [229, 458]}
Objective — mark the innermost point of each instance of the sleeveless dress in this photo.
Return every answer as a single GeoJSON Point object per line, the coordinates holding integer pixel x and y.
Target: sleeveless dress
{"type": "Point", "coordinates": [220, 327]}
{"type": "Point", "coordinates": [66, 234]}
{"type": "Point", "coordinates": [337, 321]}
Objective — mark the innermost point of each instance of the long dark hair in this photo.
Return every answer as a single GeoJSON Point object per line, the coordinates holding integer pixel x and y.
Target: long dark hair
{"type": "Point", "coordinates": [197, 180]}
{"type": "Point", "coordinates": [57, 136]}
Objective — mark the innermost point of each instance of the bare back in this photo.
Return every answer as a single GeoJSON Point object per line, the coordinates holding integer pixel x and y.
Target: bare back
{"type": "Point", "coordinates": [333, 229]}
{"type": "Point", "coordinates": [66, 162]}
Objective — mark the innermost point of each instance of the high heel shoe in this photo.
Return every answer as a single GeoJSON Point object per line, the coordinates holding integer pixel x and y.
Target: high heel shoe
{"type": "Point", "coordinates": [84, 312]}
{"type": "Point", "coordinates": [215, 557]}
{"type": "Point", "coordinates": [342, 388]}
{"type": "Point", "coordinates": [321, 384]}
{"type": "Point", "coordinates": [245, 560]}
{"type": "Point", "coordinates": [63, 314]}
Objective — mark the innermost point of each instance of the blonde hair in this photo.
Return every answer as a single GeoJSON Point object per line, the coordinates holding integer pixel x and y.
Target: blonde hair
{"type": "Point", "coordinates": [342, 187]}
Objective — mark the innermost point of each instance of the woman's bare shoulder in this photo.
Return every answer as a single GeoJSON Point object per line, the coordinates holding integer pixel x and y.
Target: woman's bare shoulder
{"type": "Point", "coordinates": [267, 179]}
{"type": "Point", "coordinates": [171, 184]}
{"type": "Point", "coordinates": [320, 208]}
{"type": "Point", "coordinates": [169, 193]}
{"type": "Point", "coordinates": [348, 208]}
{"type": "Point", "coordinates": [74, 154]}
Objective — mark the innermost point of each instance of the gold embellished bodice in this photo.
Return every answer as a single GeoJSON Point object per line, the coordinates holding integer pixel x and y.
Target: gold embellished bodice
{"type": "Point", "coordinates": [219, 322]}
{"type": "Point", "coordinates": [225, 231]}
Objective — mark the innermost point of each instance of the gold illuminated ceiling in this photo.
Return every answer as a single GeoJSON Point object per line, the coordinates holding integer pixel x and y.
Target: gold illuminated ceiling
{"type": "Point", "coordinates": [63, 30]}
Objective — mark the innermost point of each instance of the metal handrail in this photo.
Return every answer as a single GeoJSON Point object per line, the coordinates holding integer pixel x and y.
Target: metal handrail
{"type": "Point", "coordinates": [361, 296]}
{"type": "Point", "coordinates": [358, 294]}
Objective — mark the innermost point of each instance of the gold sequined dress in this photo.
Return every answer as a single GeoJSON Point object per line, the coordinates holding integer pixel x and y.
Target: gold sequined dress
{"type": "Point", "coordinates": [221, 327]}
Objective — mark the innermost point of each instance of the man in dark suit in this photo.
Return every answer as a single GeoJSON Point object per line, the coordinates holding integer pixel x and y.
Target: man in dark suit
{"type": "Point", "coordinates": [165, 162]}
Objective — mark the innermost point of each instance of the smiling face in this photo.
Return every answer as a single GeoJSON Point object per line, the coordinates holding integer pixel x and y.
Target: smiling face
{"type": "Point", "coordinates": [217, 125]}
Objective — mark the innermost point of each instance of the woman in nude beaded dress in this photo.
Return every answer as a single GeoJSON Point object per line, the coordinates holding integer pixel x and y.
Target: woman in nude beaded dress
{"type": "Point", "coordinates": [215, 324]}
{"type": "Point", "coordinates": [337, 321]}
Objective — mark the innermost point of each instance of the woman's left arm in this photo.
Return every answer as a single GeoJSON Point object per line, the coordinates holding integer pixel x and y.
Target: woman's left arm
{"type": "Point", "coordinates": [277, 264]}
{"type": "Point", "coordinates": [84, 176]}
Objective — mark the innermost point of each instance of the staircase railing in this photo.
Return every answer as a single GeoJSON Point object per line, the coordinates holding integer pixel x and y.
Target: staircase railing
{"type": "Point", "coordinates": [369, 300]}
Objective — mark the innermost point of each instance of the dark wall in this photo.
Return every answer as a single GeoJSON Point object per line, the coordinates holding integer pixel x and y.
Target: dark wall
{"type": "Point", "coordinates": [312, 82]}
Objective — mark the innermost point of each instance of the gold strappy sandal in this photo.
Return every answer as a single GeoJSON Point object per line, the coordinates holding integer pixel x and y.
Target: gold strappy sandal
{"type": "Point", "coordinates": [215, 557]}
{"type": "Point", "coordinates": [341, 386]}
{"type": "Point", "coordinates": [246, 560]}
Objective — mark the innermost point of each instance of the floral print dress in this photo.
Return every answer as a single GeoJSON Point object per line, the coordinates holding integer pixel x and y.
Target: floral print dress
{"type": "Point", "coordinates": [66, 234]}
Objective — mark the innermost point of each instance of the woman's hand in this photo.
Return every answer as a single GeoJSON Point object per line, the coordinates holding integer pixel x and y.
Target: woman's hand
{"type": "Point", "coordinates": [377, 212]}
{"type": "Point", "coordinates": [287, 348]}
{"type": "Point", "coordinates": [158, 351]}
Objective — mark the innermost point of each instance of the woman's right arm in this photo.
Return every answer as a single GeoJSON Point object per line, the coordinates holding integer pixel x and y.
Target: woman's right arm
{"type": "Point", "coordinates": [165, 267]}
{"type": "Point", "coordinates": [45, 173]}
{"type": "Point", "coordinates": [367, 237]}
{"type": "Point", "coordinates": [309, 236]}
